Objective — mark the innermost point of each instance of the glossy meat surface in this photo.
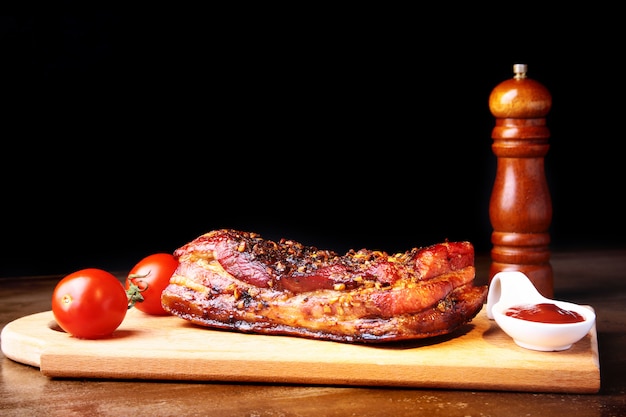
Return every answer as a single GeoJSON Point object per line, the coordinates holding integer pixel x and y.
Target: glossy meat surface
{"type": "Point", "coordinates": [237, 280]}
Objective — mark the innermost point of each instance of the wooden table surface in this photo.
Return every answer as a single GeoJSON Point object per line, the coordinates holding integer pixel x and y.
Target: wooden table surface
{"type": "Point", "coordinates": [594, 277]}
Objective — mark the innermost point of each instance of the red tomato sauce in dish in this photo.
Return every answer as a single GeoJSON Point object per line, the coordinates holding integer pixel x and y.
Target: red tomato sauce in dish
{"type": "Point", "coordinates": [544, 313]}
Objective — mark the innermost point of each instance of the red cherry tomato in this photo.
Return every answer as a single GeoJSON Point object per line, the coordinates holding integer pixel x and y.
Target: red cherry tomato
{"type": "Point", "coordinates": [147, 280]}
{"type": "Point", "coordinates": [90, 303]}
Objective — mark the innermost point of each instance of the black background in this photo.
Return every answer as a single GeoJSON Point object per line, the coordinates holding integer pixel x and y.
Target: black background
{"type": "Point", "coordinates": [128, 133]}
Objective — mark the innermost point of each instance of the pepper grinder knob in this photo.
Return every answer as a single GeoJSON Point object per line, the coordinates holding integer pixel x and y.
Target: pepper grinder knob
{"type": "Point", "coordinates": [520, 208]}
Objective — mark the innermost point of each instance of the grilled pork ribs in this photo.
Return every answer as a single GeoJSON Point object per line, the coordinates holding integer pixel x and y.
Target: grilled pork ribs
{"type": "Point", "coordinates": [236, 280]}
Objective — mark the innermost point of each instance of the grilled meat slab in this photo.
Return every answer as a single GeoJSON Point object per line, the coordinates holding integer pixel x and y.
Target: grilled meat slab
{"type": "Point", "coordinates": [236, 280]}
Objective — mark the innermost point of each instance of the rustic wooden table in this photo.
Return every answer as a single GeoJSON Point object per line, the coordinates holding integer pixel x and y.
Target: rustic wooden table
{"type": "Point", "coordinates": [594, 277]}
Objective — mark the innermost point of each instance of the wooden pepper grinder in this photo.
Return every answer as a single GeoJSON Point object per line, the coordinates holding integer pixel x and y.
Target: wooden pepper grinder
{"type": "Point", "coordinates": [520, 208]}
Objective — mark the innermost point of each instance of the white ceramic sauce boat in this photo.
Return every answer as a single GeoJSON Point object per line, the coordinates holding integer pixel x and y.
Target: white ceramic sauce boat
{"type": "Point", "coordinates": [512, 288]}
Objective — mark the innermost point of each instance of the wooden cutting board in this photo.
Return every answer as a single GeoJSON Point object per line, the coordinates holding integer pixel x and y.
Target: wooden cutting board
{"type": "Point", "coordinates": [479, 357]}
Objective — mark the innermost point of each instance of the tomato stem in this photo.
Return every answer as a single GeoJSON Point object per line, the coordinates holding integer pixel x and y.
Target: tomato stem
{"type": "Point", "coordinates": [134, 294]}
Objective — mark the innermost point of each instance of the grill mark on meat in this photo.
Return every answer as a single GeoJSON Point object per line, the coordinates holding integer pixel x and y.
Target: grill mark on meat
{"type": "Point", "coordinates": [236, 280]}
